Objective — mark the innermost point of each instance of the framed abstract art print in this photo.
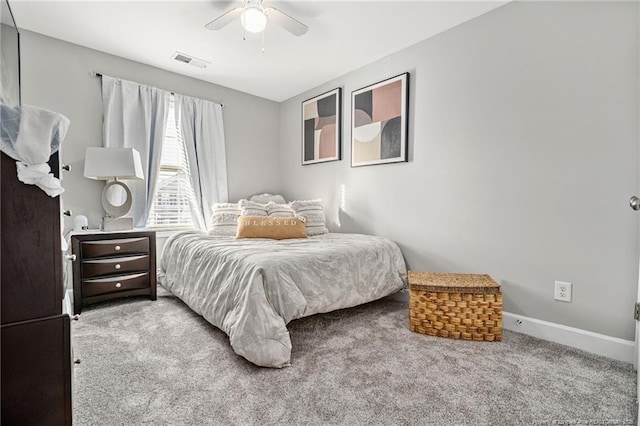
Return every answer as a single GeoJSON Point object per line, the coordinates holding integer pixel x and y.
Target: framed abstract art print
{"type": "Point", "coordinates": [379, 122]}
{"type": "Point", "coordinates": [321, 128]}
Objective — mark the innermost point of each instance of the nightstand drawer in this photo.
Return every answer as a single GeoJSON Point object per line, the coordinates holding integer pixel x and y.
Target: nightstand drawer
{"type": "Point", "coordinates": [102, 248]}
{"type": "Point", "coordinates": [114, 265]}
{"type": "Point", "coordinates": [99, 286]}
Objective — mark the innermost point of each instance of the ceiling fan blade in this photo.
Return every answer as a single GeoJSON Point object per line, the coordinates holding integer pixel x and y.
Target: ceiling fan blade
{"type": "Point", "coordinates": [224, 19]}
{"type": "Point", "coordinates": [287, 22]}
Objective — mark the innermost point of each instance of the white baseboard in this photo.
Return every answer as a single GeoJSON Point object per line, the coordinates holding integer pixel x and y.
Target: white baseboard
{"type": "Point", "coordinates": [611, 347]}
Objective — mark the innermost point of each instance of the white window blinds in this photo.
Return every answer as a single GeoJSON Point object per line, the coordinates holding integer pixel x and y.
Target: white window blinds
{"type": "Point", "coordinates": [172, 202]}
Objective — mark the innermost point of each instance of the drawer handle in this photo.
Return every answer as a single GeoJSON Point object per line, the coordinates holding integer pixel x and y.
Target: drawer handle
{"type": "Point", "coordinates": [118, 266]}
{"type": "Point", "coordinates": [117, 248]}
{"type": "Point", "coordinates": [118, 285]}
{"type": "Point", "coordinates": [71, 257]}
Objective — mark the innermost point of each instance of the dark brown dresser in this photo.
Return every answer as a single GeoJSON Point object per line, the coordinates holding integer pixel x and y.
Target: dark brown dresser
{"type": "Point", "coordinates": [35, 335]}
{"type": "Point", "coordinates": [112, 265]}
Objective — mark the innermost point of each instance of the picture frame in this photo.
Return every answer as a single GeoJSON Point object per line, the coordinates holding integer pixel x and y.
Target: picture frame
{"type": "Point", "coordinates": [380, 122]}
{"type": "Point", "coordinates": [322, 128]}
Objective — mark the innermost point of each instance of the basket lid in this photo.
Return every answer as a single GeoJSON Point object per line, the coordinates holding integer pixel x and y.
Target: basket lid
{"type": "Point", "coordinates": [453, 283]}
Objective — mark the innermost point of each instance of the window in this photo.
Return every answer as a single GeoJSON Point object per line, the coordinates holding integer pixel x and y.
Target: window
{"type": "Point", "coordinates": [171, 206]}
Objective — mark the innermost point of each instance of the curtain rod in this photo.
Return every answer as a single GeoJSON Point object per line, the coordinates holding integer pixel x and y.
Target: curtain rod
{"type": "Point", "coordinates": [97, 74]}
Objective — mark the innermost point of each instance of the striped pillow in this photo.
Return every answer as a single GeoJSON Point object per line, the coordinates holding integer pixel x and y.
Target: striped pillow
{"type": "Point", "coordinates": [279, 210]}
{"type": "Point", "coordinates": [251, 208]}
{"type": "Point", "coordinates": [313, 212]}
{"type": "Point", "coordinates": [224, 221]}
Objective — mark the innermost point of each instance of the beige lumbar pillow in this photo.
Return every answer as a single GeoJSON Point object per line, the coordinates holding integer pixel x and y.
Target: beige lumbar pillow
{"type": "Point", "coordinates": [277, 228]}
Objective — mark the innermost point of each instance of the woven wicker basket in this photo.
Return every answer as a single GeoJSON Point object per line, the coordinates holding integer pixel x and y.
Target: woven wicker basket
{"type": "Point", "coordinates": [457, 306]}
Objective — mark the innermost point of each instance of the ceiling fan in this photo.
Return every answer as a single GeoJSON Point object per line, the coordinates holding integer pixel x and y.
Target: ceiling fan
{"type": "Point", "coordinates": [254, 16]}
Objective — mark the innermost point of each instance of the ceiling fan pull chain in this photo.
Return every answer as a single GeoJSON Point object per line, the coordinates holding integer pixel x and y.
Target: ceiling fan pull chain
{"type": "Point", "coordinates": [244, 30]}
{"type": "Point", "coordinates": [263, 41]}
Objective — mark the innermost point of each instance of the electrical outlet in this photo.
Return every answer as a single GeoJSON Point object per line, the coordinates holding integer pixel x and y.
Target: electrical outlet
{"type": "Point", "coordinates": [563, 291]}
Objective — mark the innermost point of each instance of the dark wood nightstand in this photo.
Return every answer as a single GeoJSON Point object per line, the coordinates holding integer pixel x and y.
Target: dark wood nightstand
{"type": "Point", "coordinates": [112, 265]}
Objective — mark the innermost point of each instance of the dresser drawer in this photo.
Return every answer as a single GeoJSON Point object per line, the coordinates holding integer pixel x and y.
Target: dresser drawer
{"type": "Point", "coordinates": [97, 286]}
{"type": "Point", "coordinates": [114, 265]}
{"type": "Point", "coordinates": [102, 248]}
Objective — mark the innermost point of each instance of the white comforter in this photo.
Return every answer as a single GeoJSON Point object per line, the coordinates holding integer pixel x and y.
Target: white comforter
{"type": "Point", "coordinates": [252, 288]}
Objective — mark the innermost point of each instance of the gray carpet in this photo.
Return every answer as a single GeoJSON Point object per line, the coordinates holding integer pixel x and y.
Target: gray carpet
{"type": "Point", "coordinates": [147, 362]}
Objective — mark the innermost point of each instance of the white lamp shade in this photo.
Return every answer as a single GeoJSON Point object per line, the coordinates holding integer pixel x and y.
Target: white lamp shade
{"type": "Point", "coordinates": [111, 163]}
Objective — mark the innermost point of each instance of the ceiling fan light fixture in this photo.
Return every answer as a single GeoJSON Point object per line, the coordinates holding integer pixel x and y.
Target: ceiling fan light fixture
{"type": "Point", "coordinates": [253, 20]}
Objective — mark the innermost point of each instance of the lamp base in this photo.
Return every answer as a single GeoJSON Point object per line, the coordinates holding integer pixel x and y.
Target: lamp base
{"type": "Point", "coordinates": [117, 223]}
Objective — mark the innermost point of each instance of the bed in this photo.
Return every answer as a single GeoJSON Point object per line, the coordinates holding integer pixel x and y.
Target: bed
{"type": "Point", "coordinates": [252, 288]}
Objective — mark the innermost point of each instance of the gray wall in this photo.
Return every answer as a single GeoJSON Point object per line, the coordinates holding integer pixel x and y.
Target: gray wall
{"type": "Point", "coordinates": [56, 76]}
{"type": "Point", "coordinates": [523, 154]}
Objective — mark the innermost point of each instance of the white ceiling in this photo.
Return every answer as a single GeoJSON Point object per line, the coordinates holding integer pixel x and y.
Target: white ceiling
{"type": "Point", "coordinates": [342, 36]}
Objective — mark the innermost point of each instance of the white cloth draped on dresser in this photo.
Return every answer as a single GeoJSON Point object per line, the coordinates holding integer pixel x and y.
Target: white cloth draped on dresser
{"type": "Point", "coordinates": [30, 135]}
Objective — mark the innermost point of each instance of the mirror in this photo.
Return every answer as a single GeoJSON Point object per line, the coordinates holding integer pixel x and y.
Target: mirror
{"type": "Point", "coordinates": [116, 199]}
{"type": "Point", "coordinates": [9, 57]}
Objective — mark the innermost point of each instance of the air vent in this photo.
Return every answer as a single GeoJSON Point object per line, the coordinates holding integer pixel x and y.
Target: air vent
{"type": "Point", "coordinates": [182, 58]}
{"type": "Point", "coordinates": [198, 63]}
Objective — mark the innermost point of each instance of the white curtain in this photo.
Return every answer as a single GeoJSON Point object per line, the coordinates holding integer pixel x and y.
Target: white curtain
{"type": "Point", "coordinates": [203, 134]}
{"type": "Point", "coordinates": [135, 116]}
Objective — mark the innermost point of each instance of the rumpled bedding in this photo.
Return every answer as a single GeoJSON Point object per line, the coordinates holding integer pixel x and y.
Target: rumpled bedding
{"type": "Point", "coordinates": [252, 288]}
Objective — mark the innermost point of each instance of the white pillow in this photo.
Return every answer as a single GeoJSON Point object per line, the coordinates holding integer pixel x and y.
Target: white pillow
{"type": "Point", "coordinates": [224, 221]}
{"type": "Point", "coordinates": [252, 208]}
{"type": "Point", "coordinates": [313, 212]}
{"type": "Point", "coordinates": [279, 210]}
{"type": "Point", "coordinates": [267, 198]}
